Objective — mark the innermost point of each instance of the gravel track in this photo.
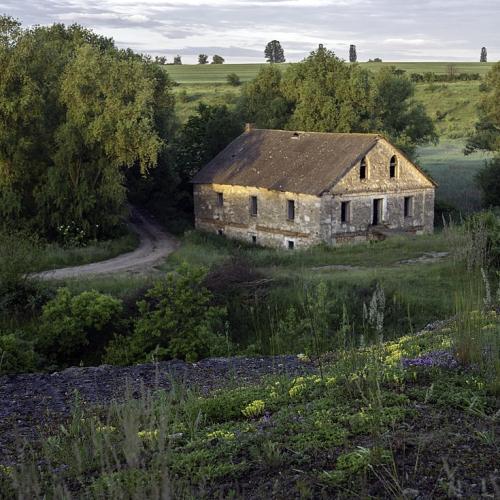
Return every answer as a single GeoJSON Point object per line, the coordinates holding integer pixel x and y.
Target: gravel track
{"type": "Point", "coordinates": [155, 244]}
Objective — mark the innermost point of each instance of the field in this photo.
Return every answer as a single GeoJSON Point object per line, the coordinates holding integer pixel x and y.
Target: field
{"type": "Point", "coordinates": [217, 73]}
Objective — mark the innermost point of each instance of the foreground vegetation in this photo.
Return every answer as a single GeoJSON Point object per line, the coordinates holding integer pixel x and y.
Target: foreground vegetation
{"type": "Point", "coordinates": [385, 421]}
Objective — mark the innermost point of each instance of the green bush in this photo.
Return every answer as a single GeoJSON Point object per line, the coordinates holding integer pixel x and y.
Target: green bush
{"type": "Point", "coordinates": [176, 320]}
{"type": "Point", "coordinates": [16, 355]}
{"type": "Point", "coordinates": [70, 323]}
{"type": "Point", "coordinates": [233, 79]}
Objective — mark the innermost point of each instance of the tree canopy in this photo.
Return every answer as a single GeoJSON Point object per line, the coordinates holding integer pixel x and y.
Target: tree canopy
{"type": "Point", "coordinates": [274, 52]}
{"type": "Point", "coordinates": [75, 113]}
{"type": "Point", "coordinates": [324, 94]}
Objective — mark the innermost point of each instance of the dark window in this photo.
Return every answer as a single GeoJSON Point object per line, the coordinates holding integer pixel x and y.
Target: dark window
{"type": "Point", "coordinates": [253, 205]}
{"type": "Point", "coordinates": [291, 209]}
{"type": "Point", "coordinates": [291, 245]}
{"type": "Point", "coordinates": [408, 206]}
{"type": "Point", "coordinates": [254, 239]}
{"type": "Point", "coordinates": [220, 232]}
{"type": "Point", "coordinates": [362, 169]}
{"type": "Point", "coordinates": [345, 215]}
{"type": "Point", "coordinates": [393, 166]}
{"type": "Point", "coordinates": [378, 205]}
{"type": "Point", "coordinates": [220, 199]}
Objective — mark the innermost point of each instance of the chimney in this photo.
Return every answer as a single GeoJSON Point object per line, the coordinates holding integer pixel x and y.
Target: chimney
{"type": "Point", "coordinates": [249, 127]}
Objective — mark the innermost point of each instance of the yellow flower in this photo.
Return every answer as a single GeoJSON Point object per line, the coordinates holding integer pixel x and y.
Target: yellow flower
{"type": "Point", "coordinates": [221, 434]}
{"type": "Point", "coordinates": [105, 428]}
{"type": "Point", "coordinates": [296, 390]}
{"type": "Point", "coordinates": [254, 409]}
{"type": "Point", "coordinates": [148, 435]}
{"type": "Point", "coordinates": [5, 469]}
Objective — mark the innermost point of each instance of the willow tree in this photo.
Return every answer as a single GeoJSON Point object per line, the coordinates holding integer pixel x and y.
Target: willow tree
{"type": "Point", "coordinates": [75, 113]}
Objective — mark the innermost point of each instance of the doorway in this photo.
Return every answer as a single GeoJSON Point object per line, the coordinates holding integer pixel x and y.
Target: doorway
{"type": "Point", "coordinates": [378, 204]}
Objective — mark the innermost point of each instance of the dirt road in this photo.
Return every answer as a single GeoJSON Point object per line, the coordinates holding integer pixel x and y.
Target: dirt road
{"type": "Point", "coordinates": [155, 244]}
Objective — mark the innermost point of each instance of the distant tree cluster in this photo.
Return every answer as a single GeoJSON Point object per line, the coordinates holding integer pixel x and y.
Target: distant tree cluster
{"type": "Point", "coordinates": [216, 59]}
{"type": "Point", "coordinates": [307, 97]}
{"type": "Point", "coordinates": [177, 59]}
{"type": "Point", "coordinates": [376, 60]}
{"type": "Point", "coordinates": [449, 76]}
{"type": "Point", "coordinates": [274, 52]}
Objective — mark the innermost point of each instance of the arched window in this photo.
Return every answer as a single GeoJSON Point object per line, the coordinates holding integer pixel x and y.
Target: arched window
{"type": "Point", "coordinates": [393, 166]}
{"type": "Point", "coordinates": [363, 169]}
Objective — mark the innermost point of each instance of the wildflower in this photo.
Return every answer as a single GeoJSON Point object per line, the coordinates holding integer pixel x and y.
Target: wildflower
{"type": "Point", "coordinates": [296, 390]}
{"type": "Point", "coordinates": [222, 435]}
{"type": "Point", "coordinates": [102, 429]}
{"type": "Point", "coordinates": [254, 409]}
{"type": "Point", "coordinates": [6, 470]}
{"type": "Point", "coordinates": [148, 435]}
{"type": "Point", "coordinates": [303, 358]}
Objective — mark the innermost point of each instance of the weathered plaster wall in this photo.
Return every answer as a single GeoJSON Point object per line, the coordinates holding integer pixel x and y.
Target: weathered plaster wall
{"type": "Point", "coordinates": [271, 226]}
{"type": "Point", "coordinates": [408, 182]}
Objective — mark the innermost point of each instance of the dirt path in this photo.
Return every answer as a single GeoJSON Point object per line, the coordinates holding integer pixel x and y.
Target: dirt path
{"type": "Point", "coordinates": [155, 244]}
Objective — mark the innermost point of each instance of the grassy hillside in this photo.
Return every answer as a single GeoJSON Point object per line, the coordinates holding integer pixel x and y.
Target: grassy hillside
{"type": "Point", "coordinates": [216, 73]}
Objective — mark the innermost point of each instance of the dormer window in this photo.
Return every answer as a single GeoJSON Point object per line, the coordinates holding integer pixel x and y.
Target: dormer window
{"type": "Point", "coordinates": [393, 165]}
{"type": "Point", "coordinates": [363, 169]}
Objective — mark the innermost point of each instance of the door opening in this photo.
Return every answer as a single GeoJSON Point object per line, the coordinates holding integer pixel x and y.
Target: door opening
{"type": "Point", "coordinates": [377, 211]}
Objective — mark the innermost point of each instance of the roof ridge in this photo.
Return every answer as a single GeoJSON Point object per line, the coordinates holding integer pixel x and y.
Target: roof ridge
{"type": "Point", "coordinates": [374, 134]}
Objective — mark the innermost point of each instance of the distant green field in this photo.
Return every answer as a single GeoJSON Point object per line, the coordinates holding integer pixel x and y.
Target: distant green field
{"type": "Point", "coordinates": [217, 73]}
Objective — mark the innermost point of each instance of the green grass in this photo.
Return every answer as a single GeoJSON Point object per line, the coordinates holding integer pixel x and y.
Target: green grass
{"type": "Point", "coordinates": [454, 173]}
{"type": "Point", "coordinates": [53, 256]}
{"type": "Point", "coordinates": [217, 73]}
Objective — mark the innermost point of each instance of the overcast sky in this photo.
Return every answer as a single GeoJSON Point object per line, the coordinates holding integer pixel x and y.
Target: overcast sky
{"type": "Point", "coordinates": [395, 30]}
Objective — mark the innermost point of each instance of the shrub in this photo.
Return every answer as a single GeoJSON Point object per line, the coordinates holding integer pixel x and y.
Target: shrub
{"type": "Point", "coordinates": [176, 319]}
{"type": "Point", "coordinates": [233, 79]}
{"type": "Point", "coordinates": [16, 355]}
{"type": "Point", "coordinates": [71, 322]}
{"type": "Point", "coordinates": [19, 295]}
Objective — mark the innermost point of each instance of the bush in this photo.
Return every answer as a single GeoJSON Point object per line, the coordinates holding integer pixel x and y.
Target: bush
{"type": "Point", "coordinates": [70, 323]}
{"type": "Point", "coordinates": [176, 320]}
{"type": "Point", "coordinates": [233, 79]}
{"type": "Point", "coordinates": [16, 355]}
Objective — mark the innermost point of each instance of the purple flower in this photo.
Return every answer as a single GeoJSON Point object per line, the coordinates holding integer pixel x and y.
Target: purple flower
{"type": "Point", "coordinates": [434, 359]}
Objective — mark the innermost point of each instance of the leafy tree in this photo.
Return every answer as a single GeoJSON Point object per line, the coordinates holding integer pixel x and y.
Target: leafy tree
{"type": "Point", "coordinates": [75, 113]}
{"type": "Point", "coordinates": [202, 59]}
{"type": "Point", "coordinates": [217, 59]}
{"type": "Point", "coordinates": [233, 79]}
{"type": "Point", "coordinates": [177, 59]}
{"type": "Point", "coordinates": [353, 57]}
{"type": "Point", "coordinates": [274, 52]}
{"type": "Point", "coordinates": [161, 60]}
{"type": "Point", "coordinates": [484, 55]}
{"type": "Point", "coordinates": [204, 135]}
{"type": "Point", "coordinates": [488, 181]}
{"type": "Point", "coordinates": [263, 102]}
{"type": "Point", "coordinates": [324, 94]}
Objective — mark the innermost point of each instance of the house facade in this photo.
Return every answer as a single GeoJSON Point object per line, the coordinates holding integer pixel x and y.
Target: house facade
{"type": "Point", "coordinates": [296, 189]}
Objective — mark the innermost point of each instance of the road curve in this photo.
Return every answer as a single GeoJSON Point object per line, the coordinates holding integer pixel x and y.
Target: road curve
{"type": "Point", "coordinates": [155, 244]}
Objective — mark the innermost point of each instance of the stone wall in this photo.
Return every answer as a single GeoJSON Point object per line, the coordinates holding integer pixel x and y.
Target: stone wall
{"type": "Point", "coordinates": [270, 227]}
{"type": "Point", "coordinates": [378, 184]}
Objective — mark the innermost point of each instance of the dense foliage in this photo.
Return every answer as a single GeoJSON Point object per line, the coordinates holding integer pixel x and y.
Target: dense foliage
{"type": "Point", "coordinates": [274, 52]}
{"type": "Point", "coordinates": [325, 94]}
{"type": "Point", "coordinates": [75, 112]}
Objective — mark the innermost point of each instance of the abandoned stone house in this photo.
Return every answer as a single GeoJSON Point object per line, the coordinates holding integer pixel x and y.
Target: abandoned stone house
{"type": "Point", "coordinates": [295, 189]}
